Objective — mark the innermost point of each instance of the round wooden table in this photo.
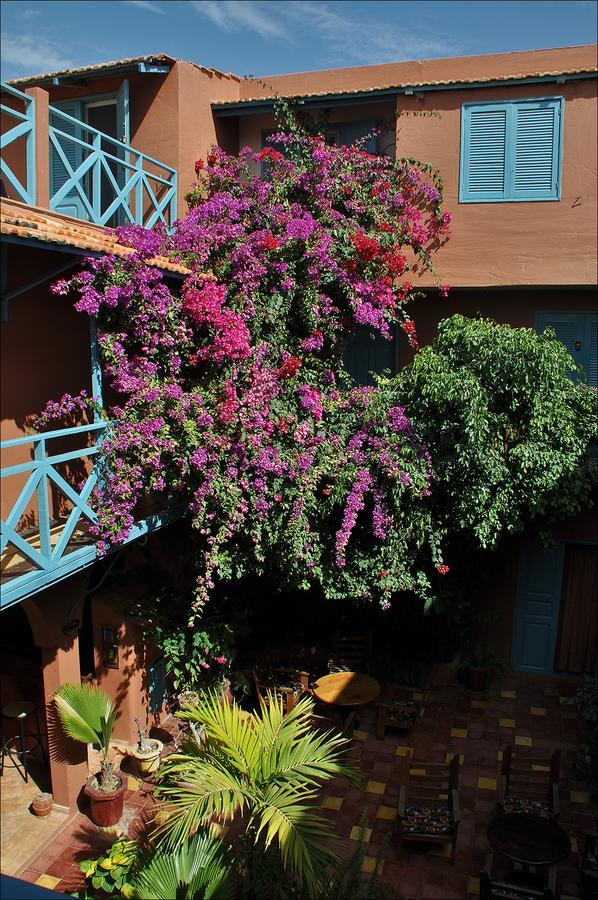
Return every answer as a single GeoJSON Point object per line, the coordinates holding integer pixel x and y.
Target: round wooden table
{"type": "Point", "coordinates": [530, 840]}
{"type": "Point", "coordinates": [346, 689]}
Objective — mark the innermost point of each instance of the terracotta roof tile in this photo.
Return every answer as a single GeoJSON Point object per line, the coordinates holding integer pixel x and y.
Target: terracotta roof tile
{"type": "Point", "coordinates": [37, 224]}
{"type": "Point", "coordinates": [106, 66]}
{"type": "Point", "coordinates": [413, 84]}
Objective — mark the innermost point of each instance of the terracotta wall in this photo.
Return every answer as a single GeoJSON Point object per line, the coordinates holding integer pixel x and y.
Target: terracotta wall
{"type": "Point", "coordinates": [523, 243]}
{"type": "Point", "coordinates": [44, 353]}
{"type": "Point", "coordinates": [491, 65]}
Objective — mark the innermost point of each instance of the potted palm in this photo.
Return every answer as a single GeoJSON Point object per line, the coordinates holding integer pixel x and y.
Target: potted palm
{"type": "Point", "coordinates": [147, 751]}
{"type": "Point", "coordinates": [475, 670]}
{"type": "Point", "coordinates": [87, 714]}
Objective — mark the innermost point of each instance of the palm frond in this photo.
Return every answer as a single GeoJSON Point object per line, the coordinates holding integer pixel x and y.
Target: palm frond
{"type": "Point", "coordinates": [197, 870]}
{"type": "Point", "coordinates": [81, 709]}
{"type": "Point", "coordinates": [194, 789]}
{"type": "Point", "coordinates": [303, 835]}
{"type": "Point", "coordinates": [226, 728]}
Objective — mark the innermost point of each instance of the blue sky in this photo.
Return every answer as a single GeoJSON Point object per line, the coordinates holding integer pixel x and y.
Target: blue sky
{"type": "Point", "coordinates": [262, 37]}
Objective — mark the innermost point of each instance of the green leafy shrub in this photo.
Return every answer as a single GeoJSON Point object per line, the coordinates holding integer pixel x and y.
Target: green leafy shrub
{"type": "Point", "coordinates": [112, 872]}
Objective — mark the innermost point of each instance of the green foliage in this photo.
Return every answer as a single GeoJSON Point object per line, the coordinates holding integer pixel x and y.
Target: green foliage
{"type": "Point", "coordinates": [347, 881]}
{"type": "Point", "coordinates": [193, 871]}
{"type": "Point", "coordinates": [508, 429]}
{"type": "Point", "coordinates": [113, 871]}
{"type": "Point", "coordinates": [481, 659]}
{"type": "Point", "coordinates": [268, 770]}
{"type": "Point", "coordinates": [88, 715]}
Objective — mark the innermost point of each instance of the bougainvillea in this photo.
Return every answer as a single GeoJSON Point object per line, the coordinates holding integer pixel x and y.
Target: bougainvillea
{"type": "Point", "coordinates": [233, 392]}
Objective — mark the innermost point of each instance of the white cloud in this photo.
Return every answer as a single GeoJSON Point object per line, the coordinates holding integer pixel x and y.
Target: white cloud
{"type": "Point", "coordinates": [147, 5]}
{"type": "Point", "coordinates": [30, 53]}
{"type": "Point", "coordinates": [351, 40]}
{"type": "Point", "coordinates": [236, 15]}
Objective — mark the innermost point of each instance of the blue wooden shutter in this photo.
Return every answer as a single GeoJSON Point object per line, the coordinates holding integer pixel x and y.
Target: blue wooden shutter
{"type": "Point", "coordinates": [590, 342]}
{"type": "Point", "coordinates": [483, 152]}
{"type": "Point", "coordinates": [535, 158]}
{"type": "Point", "coordinates": [579, 333]}
{"type": "Point", "coordinates": [71, 205]}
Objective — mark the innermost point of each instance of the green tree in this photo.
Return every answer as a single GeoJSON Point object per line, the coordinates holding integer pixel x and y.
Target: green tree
{"type": "Point", "coordinates": [268, 770]}
{"type": "Point", "coordinates": [508, 429]}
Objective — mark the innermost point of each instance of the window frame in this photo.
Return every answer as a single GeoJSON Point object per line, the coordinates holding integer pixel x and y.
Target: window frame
{"type": "Point", "coordinates": [509, 149]}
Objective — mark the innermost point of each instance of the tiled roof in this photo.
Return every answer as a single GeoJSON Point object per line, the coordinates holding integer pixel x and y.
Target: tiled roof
{"type": "Point", "coordinates": [20, 220]}
{"type": "Point", "coordinates": [414, 84]}
{"type": "Point", "coordinates": [156, 58]}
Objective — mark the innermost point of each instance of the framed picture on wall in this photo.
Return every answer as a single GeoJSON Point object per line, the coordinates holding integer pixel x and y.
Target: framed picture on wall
{"type": "Point", "coordinates": [110, 647]}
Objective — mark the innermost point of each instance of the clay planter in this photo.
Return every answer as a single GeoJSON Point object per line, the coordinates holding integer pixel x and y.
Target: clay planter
{"type": "Point", "coordinates": [150, 761]}
{"type": "Point", "coordinates": [106, 808]}
{"type": "Point", "coordinates": [42, 805]}
{"type": "Point", "coordinates": [475, 680]}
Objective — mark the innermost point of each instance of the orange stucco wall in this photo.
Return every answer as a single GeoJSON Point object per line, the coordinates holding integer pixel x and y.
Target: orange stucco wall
{"type": "Point", "coordinates": [491, 65]}
{"type": "Point", "coordinates": [493, 244]}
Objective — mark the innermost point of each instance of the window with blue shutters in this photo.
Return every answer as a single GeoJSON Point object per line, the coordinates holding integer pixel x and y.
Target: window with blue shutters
{"type": "Point", "coordinates": [578, 331]}
{"type": "Point", "coordinates": [511, 150]}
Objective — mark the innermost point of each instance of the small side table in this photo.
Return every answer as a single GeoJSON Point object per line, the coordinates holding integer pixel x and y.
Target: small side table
{"type": "Point", "coordinates": [15, 748]}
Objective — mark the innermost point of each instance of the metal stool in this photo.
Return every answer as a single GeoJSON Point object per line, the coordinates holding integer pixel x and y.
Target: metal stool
{"type": "Point", "coordinates": [21, 710]}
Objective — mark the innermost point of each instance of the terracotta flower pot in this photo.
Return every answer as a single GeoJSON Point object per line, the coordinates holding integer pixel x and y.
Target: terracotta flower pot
{"type": "Point", "coordinates": [150, 761]}
{"type": "Point", "coordinates": [41, 805]}
{"type": "Point", "coordinates": [106, 807]}
{"type": "Point", "coordinates": [475, 680]}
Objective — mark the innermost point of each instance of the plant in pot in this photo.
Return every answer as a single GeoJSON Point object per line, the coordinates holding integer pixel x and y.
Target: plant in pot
{"type": "Point", "coordinates": [88, 715]}
{"type": "Point", "coordinates": [42, 804]}
{"type": "Point", "coordinates": [476, 668]}
{"type": "Point", "coordinates": [147, 751]}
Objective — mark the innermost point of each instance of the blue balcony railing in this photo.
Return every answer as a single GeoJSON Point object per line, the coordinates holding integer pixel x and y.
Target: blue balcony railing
{"type": "Point", "coordinates": [11, 144]}
{"type": "Point", "coordinates": [92, 176]}
{"type": "Point", "coordinates": [111, 182]}
{"type": "Point", "coordinates": [45, 534]}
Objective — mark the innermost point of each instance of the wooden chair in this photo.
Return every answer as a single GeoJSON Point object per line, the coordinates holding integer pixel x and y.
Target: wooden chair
{"type": "Point", "coordinates": [398, 709]}
{"type": "Point", "coordinates": [429, 803]}
{"type": "Point", "coordinates": [494, 889]}
{"type": "Point", "coordinates": [529, 784]}
{"type": "Point", "coordinates": [589, 866]}
{"type": "Point", "coordinates": [350, 652]}
{"type": "Point", "coordinates": [288, 684]}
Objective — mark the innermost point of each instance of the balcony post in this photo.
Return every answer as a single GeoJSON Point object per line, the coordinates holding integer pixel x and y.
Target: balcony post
{"type": "Point", "coordinates": [42, 146]}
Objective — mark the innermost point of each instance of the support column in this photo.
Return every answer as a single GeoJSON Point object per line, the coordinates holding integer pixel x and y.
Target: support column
{"type": "Point", "coordinates": [42, 146]}
{"type": "Point", "coordinates": [68, 758]}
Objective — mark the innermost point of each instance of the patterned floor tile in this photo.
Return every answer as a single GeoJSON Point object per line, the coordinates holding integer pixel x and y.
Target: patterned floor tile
{"type": "Point", "coordinates": [375, 787]}
{"type": "Point", "coordinates": [332, 802]}
{"type": "Point", "coordinates": [369, 864]}
{"type": "Point", "coordinates": [538, 710]}
{"type": "Point", "coordinates": [360, 834]}
{"type": "Point", "coordinates": [47, 881]}
{"type": "Point", "coordinates": [487, 784]}
{"type": "Point", "coordinates": [522, 741]}
{"type": "Point", "coordinates": [459, 732]}
{"type": "Point", "coordinates": [386, 812]}
{"type": "Point", "coordinates": [506, 723]}
{"type": "Point", "coordinates": [580, 797]}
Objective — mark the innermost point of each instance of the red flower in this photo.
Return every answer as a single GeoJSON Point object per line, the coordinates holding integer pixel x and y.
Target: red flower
{"type": "Point", "coordinates": [396, 262]}
{"type": "Point", "coordinates": [289, 367]}
{"type": "Point", "coordinates": [444, 289]}
{"type": "Point", "coordinates": [199, 164]}
{"type": "Point", "coordinates": [268, 242]}
{"type": "Point", "coordinates": [270, 153]}
{"type": "Point", "coordinates": [442, 569]}
{"type": "Point", "coordinates": [386, 226]}
{"type": "Point", "coordinates": [367, 248]}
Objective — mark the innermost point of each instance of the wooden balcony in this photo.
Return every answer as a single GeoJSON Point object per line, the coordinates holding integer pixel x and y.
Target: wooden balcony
{"type": "Point", "coordinates": [52, 160]}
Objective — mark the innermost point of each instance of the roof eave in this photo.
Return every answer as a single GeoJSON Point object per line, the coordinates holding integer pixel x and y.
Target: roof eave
{"type": "Point", "coordinates": [344, 98]}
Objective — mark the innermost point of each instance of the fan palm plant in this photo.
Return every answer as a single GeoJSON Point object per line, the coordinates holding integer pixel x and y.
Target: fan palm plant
{"type": "Point", "coordinates": [194, 871]}
{"type": "Point", "coordinates": [88, 715]}
{"type": "Point", "coordinates": [268, 768]}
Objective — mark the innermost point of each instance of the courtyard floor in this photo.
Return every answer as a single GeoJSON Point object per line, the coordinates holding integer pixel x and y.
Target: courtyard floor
{"type": "Point", "coordinates": [520, 710]}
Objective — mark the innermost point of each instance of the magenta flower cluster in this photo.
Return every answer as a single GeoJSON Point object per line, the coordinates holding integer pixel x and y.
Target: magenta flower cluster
{"type": "Point", "coordinates": [232, 390]}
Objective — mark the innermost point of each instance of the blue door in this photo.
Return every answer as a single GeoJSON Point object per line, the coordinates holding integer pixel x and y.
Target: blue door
{"type": "Point", "coordinates": [69, 137]}
{"type": "Point", "coordinates": [537, 608]}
